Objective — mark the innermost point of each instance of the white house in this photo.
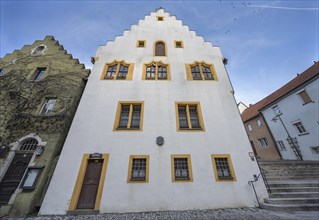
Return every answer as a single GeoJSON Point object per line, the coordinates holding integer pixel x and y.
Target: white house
{"type": "Point", "coordinates": [157, 129]}
{"type": "Point", "coordinates": [292, 114]}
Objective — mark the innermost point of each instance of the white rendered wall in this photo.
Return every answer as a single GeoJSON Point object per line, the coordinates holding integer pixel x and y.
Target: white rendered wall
{"type": "Point", "coordinates": [92, 129]}
{"type": "Point", "coordinates": [292, 110]}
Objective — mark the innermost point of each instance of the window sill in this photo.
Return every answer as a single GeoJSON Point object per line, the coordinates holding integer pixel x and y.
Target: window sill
{"type": "Point", "coordinates": [127, 129]}
{"type": "Point", "coordinates": [308, 102]}
{"type": "Point", "coordinates": [191, 129]}
{"type": "Point", "coordinates": [303, 134]}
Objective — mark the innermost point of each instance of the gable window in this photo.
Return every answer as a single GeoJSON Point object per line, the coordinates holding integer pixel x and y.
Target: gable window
{"type": "Point", "coordinates": [160, 18]}
{"type": "Point", "coordinates": [179, 44]}
{"type": "Point", "coordinates": [259, 124]}
{"type": "Point", "coordinates": [281, 145]}
{"type": "Point", "coordinates": [249, 127]}
{"type": "Point", "coordinates": [156, 71]}
{"type": "Point", "coordinates": [117, 71]}
{"type": "Point", "coordinates": [2, 72]}
{"type": "Point", "coordinates": [276, 110]}
{"type": "Point", "coordinates": [140, 43]}
{"type": "Point", "coordinates": [181, 168]}
{"type": "Point", "coordinates": [129, 116]}
{"type": "Point", "coordinates": [39, 73]}
{"type": "Point", "coordinates": [200, 71]}
{"type": "Point", "coordinates": [263, 142]}
{"type": "Point", "coordinates": [160, 48]}
{"type": "Point", "coordinates": [223, 168]}
{"type": "Point", "coordinates": [138, 169]}
{"type": "Point", "coordinates": [189, 116]}
{"type": "Point", "coordinates": [299, 127]}
{"type": "Point", "coordinates": [304, 97]}
{"type": "Point", "coordinates": [48, 106]}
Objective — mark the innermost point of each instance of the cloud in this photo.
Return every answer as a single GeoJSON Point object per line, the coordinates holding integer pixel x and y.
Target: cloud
{"type": "Point", "coordinates": [283, 8]}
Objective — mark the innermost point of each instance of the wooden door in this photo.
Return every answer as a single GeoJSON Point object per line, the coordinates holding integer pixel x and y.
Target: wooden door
{"type": "Point", "coordinates": [90, 184]}
{"type": "Point", "coordinates": [13, 176]}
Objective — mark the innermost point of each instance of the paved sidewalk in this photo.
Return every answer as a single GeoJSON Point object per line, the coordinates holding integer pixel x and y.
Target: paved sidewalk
{"type": "Point", "coordinates": [218, 214]}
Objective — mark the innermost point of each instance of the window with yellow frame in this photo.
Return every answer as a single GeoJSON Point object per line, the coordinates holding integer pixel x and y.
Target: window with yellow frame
{"type": "Point", "coordinates": [181, 168]}
{"type": "Point", "coordinates": [138, 170]}
{"type": "Point", "coordinates": [129, 116]}
{"type": "Point", "coordinates": [201, 71]}
{"type": "Point", "coordinates": [223, 167]}
{"type": "Point", "coordinates": [189, 116]}
{"type": "Point", "coordinates": [156, 71]}
{"type": "Point", "coordinates": [117, 71]}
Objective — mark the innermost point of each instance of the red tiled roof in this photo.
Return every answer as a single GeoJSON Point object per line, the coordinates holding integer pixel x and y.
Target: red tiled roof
{"type": "Point", "coordinates": [308, 74]}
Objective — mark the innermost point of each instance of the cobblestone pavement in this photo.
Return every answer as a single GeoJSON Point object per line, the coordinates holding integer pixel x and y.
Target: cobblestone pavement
{"type": "Point", "coordinates": [220, 214]}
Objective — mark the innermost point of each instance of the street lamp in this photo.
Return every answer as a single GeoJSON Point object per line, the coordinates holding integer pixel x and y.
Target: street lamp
{"type": "Point", "coordinates": [292, 141]}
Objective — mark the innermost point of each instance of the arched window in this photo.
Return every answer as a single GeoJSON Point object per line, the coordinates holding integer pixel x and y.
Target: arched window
{"type": "Point", "coordinates": [29, 144]}
{"type": "Point", "coordinates": [160, 49]}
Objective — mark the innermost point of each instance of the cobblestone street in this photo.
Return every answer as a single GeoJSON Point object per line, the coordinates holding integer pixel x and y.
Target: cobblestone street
{"type": "Point", "coordinates": [220, 214]}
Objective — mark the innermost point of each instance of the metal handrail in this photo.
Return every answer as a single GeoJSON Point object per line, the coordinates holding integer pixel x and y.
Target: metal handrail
{"type": "Point", "coordinates": [262, 173]}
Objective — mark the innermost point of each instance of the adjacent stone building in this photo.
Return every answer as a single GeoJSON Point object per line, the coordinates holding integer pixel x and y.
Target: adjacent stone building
{"type": "Point", "coordinates": [157, 129]}
{"type": "Point", "coordinates": [40, 88]}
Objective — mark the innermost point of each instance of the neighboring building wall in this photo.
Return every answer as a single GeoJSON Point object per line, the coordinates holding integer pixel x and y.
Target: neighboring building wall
{"type": "Point", "coordinates": [241, 107]}
{"type": "Point", "coordinates": [40, 89]}
{"type": "Point", "coordinates": [293, 110]}
{"type": "Point", "coordinates": [261, 139]}
{"type": "Point", "coordinates": [94, 130]}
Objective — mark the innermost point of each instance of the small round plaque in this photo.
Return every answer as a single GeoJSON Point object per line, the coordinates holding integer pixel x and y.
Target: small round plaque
{"type": "Point", "coordinates": [160, 141]}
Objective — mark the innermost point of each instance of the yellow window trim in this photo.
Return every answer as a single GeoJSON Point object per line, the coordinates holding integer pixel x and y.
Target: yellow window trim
{"type": "Point", "coordinates": [80, 178]}
{"type": "Point", "coordinates": [118, 115]}
{"type": "Point", "coordinates": [154, 48]}
{"type": "Point", "coordinates": [129, 174]}
{"type": "Point", "coordinates": [200, 116]}
{"type": "Point", "coordinates": [138, 43]}
{"type": "Point", "coordinates": [129, 75]}
{"type": "Point", "coordinates": [189, 75]}
{"type": "Point", "coordinates": [178, 41]}
{"type": "Point", "coordinates": [230, 165]}
{"type": "Point", "coordinates": [189, 164]}
{"type": "Point", "coordinates": [157, 63]}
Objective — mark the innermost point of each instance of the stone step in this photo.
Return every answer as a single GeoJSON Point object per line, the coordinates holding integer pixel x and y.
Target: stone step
{"type": "Point", "coordinates": [289, 178]}
{"type": "Point", "coordinates": [296, 183]}
{"type": "Point", "coordinates": [294, 194]}
{"type": "Point", "coordinates": [290, 207]}
{"type": "Point", "coordinates": [294, 189]}
{"type": "Point", "coordinates": [291, 200]}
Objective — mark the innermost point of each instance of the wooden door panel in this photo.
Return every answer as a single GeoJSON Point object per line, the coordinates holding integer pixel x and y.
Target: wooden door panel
{"type": "Point", "coordinates": [90, 184]}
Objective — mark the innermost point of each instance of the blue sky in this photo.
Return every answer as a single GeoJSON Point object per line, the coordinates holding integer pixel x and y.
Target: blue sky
{"type": "Point", "coordinates": [266, 42]}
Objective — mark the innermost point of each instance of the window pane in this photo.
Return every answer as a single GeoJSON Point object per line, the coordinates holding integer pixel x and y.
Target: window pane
{"type": "Point", "coordinates": [39, 73]}
{"type": "Point", "coordinates": [181, 168]}
{"type": "Point", "coordinates": [182, 117]}
{"type": "Point", "coordinates": [194, 116]}
{"type": "Point", "coordinates": [48, 106]}
{"type": "Point", "coordinates": [136, 116]}
{"type": "Point", "coordinates": [207, 73]}
{"type": "Point", "coordinates": [196, 72]}
{"type": "Point", "coordinates": [150, 71]}
{"type": "Point", "coordinates": [111, 70]}
{"type": "Point", "coordinates": [222, 168]}
{"type": "Point", "coordinates": [125, 112]}
{"type": "Point", "coordinates": [160, 49]}
{"type": "Point", "coordinates": [122, 72]}
{"type": "Point", "coordinates": [138, 169]}
{"type": "Point", "coordinates": [162, 72]}
{"type": "Point", "coordinates": [304, 97]}
{"type": "Point", "coordinates": [30, 177]}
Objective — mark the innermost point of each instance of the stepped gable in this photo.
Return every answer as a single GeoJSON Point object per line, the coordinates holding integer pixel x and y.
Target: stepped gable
{"type": "Point", "coordinates": [27, 49]}
{"type": "Point", "coordinates": [166, 15]}
{"type": "Point", "coordinates": [302, 78]}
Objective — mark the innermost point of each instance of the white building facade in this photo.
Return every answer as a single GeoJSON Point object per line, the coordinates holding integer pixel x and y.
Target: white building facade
{"type": "Point", "coordinates": [296, 114]}
{"type": "Point", "coordinates": [157, 129]}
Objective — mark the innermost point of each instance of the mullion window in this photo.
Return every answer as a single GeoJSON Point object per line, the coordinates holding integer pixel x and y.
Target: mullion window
{"type": "Point", "coordinates": [124, 118]}
{"type": "Point", "coordinates": [207, 73]}
{"type": "Point", "coordinates": [161, 72]}
{"type": "Point", "coordinates": [194, 117]}
{"type": "Point", "coordinates": [122, 72]}
{"type": "Point", "coordinates": [150, 71]}
{"type": "Point", "coordinates": [181, 169]}
{"type": "Point", "coordinates": [111, 71]}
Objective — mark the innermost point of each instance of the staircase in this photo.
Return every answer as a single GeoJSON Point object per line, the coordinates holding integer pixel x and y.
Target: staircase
{"type": "Point", "coordinates": [293, 185]}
